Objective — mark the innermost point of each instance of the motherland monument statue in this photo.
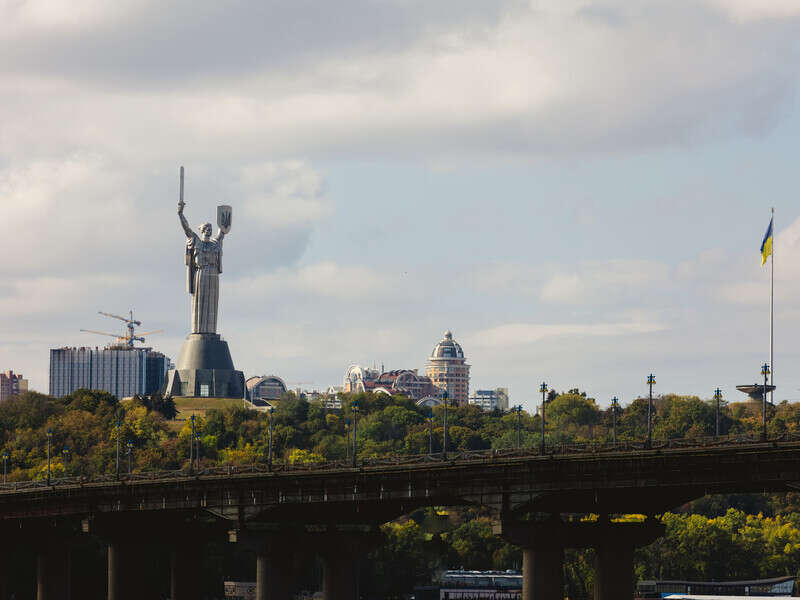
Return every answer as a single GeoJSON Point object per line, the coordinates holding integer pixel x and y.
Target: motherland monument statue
{"type": "Point", "coordinates": [204, 367]}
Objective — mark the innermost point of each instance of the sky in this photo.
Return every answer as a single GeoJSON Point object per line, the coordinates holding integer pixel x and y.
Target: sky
{"type": "Point", "coordinates": [577, 189]}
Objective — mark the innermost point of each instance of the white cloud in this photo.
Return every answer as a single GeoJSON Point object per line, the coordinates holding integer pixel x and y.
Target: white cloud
{"type": "Point", "coordinates": [519, 334]}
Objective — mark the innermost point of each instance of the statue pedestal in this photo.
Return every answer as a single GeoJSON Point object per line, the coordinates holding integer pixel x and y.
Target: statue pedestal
{"type": "Point", "coordinates": [205, 369]}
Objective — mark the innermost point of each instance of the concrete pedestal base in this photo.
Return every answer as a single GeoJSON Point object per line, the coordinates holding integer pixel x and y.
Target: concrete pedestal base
{"type": "Point", "coordinates": [205, 368]}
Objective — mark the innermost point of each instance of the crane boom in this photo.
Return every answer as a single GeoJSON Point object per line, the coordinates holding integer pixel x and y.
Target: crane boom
{"type": "Point", "coordinates": [114, 335]}
{"type": "Point", "coordinates": [130, 323]}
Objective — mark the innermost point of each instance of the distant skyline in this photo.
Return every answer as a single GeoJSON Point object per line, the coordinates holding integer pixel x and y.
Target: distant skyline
{"type": "Point", "coordinates": [577, 189]}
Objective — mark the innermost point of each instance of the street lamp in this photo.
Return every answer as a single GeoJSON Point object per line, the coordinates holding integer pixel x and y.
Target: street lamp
{"type": "Point", "coordinates": [347, 433]}
{"type": "Point", "coordinates": [444, 422]}
{"type": "Point", "coordinates": [718, 398]}
{"type": "Point", "coordinates": [269, 456]}
{"type": "Point", "coordinates": [430, 431]}
{"type": "Point", "coordinates": [614, 408]}
{"type": "Point", "coordinates": [49, 437]}
{"type": "Point", "coordinates": [543, 389]}
{"type": "Point", "coordinates": [355, 430]}
{"type": "Point", "coordinates": [65, 454]}
{"type": "Point", "coordinates": [518, 408]}
{"type": "Point", "coordinates": [116, 471]}
{"type": "Point", "coordinates": [765, 372]}
{"type": "Point", "coordinates": [129, 452]}
{"type": "Point", "coordinates": [197, 449]}
{"type": "Point", "coordinates": [5, 465]}
{"type": "Point", "coordinates": [651, 381]}
{"type": "Point", "coordinates": [191, 445]}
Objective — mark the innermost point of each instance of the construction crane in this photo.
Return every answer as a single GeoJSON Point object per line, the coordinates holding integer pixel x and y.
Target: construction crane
{"type": "Point", "coordinates": [126, 339]}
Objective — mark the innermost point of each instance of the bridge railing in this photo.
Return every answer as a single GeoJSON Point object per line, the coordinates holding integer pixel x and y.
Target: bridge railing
{"type": "Point", "coordinates": [550, 450]}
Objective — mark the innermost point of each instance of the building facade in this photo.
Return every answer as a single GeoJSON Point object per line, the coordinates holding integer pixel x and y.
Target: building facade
{"type": "Point", "coordinates": [490, 399]}
{"type": "Point", "coordinates": [399, 382]}
{"type": "Point", "coordinates": [119, 370]}
{"type": "Point", "coordinates": [12, 384]}
{"type": "Point", "coordinates": [265, 388]}
{"type": "Point", "coordinates": [449, 371]}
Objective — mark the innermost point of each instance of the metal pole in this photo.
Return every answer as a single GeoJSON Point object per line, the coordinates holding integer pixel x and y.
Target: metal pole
{"type": "Point", "coordinates": [718, 398]}
{"type": "Point", "coordinates": [651, 379]}
{"type": "Point", "coordinates": [355, 432]}
{"type": "Point", "coordinates": [49, 435]}
{"type": "Point", "coordinates": [191, 445]}
{"type": "Point", "coordinates": [765, 372]}
{"type": "Point", "coordinates": [116, 471]}
{"type": "Point", "coordinates": [519, 425]}
{"type": "Point", "coordinates": [5, 465]}
{"type": "Point", "coordinates": [347, 433]}
{"type": "Point", "coordinates": [543, 389]}
{"type": "Point", "coordinates": [269, 456]}
{"type": "Point", "coordinates": [772, 308]}
{"type": "Point", "coordinates": [197, 450]}
{"type": "Point", "coordinates": [444, 446]}
{"type": "Point", "coordinates": [614, 404]}
{"type": "Point", "coordinates": [129, 452]}
{"type": "Point", "coordinates": [65, 453]}
{"type": "Point", "coordinates": [430, 434]}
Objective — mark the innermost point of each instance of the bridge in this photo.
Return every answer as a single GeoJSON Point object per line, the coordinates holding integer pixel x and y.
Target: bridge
{"type": "Point", "coordinates": [336, 508]}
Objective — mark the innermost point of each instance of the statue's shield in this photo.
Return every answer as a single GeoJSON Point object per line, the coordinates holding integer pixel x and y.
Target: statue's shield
{"type": "Point", "coordinates": [224, 215]}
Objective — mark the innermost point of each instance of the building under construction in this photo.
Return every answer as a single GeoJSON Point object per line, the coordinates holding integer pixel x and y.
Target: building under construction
{"type": "Point", "coordinates": [121, 368]}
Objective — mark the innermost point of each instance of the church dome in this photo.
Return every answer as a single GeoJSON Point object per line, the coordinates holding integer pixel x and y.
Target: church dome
{"type": "Point", "coordinates": [447, 348]}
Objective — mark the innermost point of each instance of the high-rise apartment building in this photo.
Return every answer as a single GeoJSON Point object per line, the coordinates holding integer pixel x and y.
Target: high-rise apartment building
{"type": "Point", "coordinates": [449, 371]}
{"type": "Point", "coordinates": [120, 370]}
{"type": "Point", "coordinates": [12, 384]}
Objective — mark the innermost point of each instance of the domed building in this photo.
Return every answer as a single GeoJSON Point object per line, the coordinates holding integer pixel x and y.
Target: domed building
{"type": "Point", "coordinates": [449, 371]}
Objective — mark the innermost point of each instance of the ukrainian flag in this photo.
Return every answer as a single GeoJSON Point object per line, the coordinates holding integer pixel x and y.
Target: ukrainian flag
{"type": "Point", "coordinates": [766, 245]}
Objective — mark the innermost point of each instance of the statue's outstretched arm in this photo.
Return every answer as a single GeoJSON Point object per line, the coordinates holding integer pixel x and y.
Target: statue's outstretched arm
{"type": "Point", "coordinates": [185, 224]}
{"type": "Point", "coordinates": [220, 235]}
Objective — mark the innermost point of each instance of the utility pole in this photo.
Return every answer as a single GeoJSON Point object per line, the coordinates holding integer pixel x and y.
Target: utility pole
{"type": "Point", "coordinates": [197, 450]}
{"type": "Point", "coordinates": [651, 381]}
{"type": "Point", "coordinates": [614, 407]}
{"type": "Point", "coordinates": [519, 425]}
{"type": "Point", "coordinates": [543, 389]}
{"type": "Point", "coordinates": [765, 372]}
{"type": "Point", "coordinates": [718, 398]}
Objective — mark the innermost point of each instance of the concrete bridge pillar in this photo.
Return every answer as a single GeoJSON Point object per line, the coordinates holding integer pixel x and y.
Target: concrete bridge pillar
{"type": "Point", "coordinates": [4, 554]}
{"type": "Point", "coordinates": [543, 573]}
{"type": "Point", "coordinates": [613, 571]}
{"type": "Point", "coordinates": [185, 566]}
{"type": "Point", "coordinates": [53, 580]}
{"type": "Point", "coordinates": [125, 581]}
{"type": "Point", "coordinates": [341, 550]}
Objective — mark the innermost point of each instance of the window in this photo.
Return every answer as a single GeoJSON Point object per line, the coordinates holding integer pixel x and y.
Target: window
{"type": "Point", "coordinates": [204, 390]}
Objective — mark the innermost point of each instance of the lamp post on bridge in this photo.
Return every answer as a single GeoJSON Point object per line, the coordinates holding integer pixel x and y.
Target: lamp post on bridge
{"type": "Point", "coordinates": [430, 431]}
{"type": "Point", "coordinates": [116, 468]}
{"type": "Point", "coordinates": [129, 453]}
{"type": "Point", "coordinates": [355, 431]}
{"type": "Point", "coordinates": [191, 445]}
{"type": "Point", "coordinates": [5, 465]}
{"type": "Point", "coordinates": [614, 409]}
{"type": "Point", "coordinates": [269, 456]}
{"type": "Point", "coordinates": [444, 420]}
{"type": "Point", "coordinates": [49, 437]}
{"type": "Point", "coordinates": [718, 398]}
{"type": "Point", "coordinates": [197, 450]}
{"type": "Point", "coordinates": [518, 408]}
{"type": "Point", "coordinates": [651, 381]}
{"type": "Point", "coordinates": [65, 454]}
{"type": "Point", "coordinates": [347, 433]}
{"type": "Point", "coordinates": [543, 389]}
{"type": "Point", "coordinates": [765, 372]}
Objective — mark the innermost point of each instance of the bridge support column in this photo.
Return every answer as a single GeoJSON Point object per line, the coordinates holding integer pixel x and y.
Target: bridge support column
{"type": "Point", "coordinates": [124, 576]}
{"type": "Point", "coordinates": [275, 575]}
{"type": "Point", "coordinates": [613, 571]}
{"type": "Point", "coordinates": [53, 572]}
{"type": "Point", "coordinates": [4, 554]}
{"type": "Point", "coordinates": [184, 583]}
{"type": "Point", "coordinates": [341, 551]}
{"type": "Point", "coordinates": [543, 573]}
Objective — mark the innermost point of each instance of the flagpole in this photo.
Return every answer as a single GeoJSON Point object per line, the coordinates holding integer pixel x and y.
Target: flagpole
{"type": "Point", "coordinates": [772, 310]}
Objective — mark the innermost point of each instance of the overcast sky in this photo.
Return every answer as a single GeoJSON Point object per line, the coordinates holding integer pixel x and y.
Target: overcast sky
{"type": "Point", "coordinates": [577, 189]}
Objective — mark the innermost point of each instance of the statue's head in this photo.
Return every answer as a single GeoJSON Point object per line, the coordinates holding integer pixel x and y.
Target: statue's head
{"type": "Point", "coordinates": [205, 231]}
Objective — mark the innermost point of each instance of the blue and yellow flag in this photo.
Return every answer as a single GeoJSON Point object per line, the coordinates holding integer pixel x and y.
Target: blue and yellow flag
{"type": "Point", "coordinates": [766, 245]}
